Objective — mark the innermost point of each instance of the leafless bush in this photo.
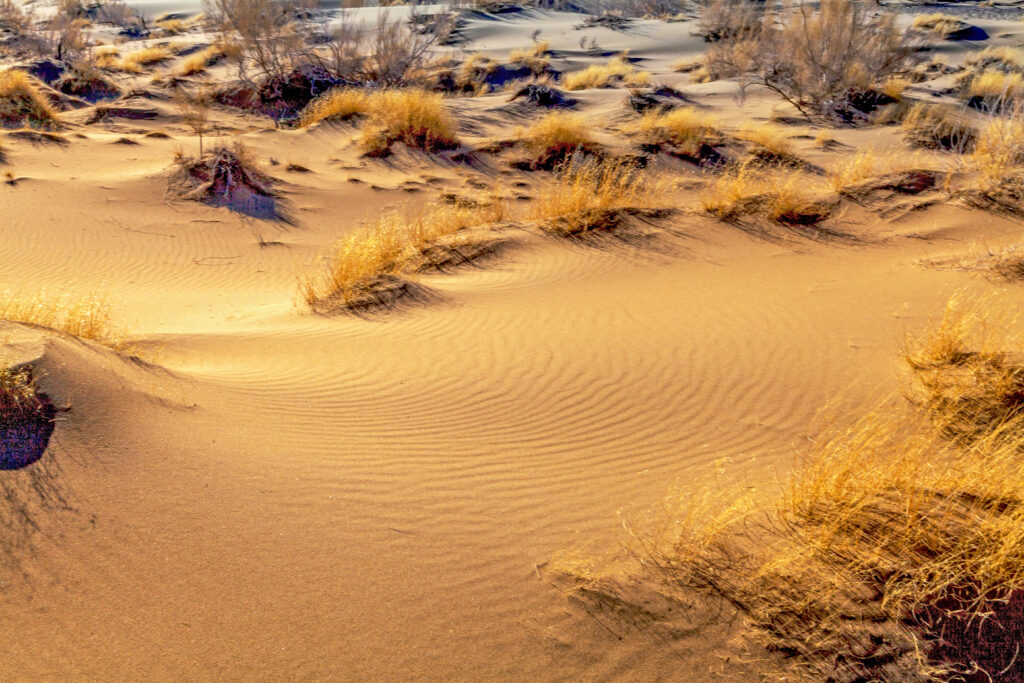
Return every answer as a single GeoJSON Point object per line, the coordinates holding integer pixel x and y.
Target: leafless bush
{"type": "Point", "coordinates": [390, 54]}
{"type": "Point", "coordinates": [823, 62]}
{"type": "Point", "coordinates": [724, 19]}
{"type": "Point", "coordinates": [266, 30]}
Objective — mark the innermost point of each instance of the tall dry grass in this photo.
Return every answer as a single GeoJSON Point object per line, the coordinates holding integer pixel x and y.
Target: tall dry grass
{"type": "Point", "coordinates": [387, 247]}
{"type": "Point", "coordinates": [749, 189]}
{"type": "Point", "coordinates": [616, 72]}
{"type": "Point", "coordinates": [556, 137]}
{"type": "Point", "coordinates": [685, 128]}
{"type": "Point", "coordinates": [21, 102]}
{"type": "Point", "coordinates": [413, 116]}
{"type": "Point", "coordinates": [586, 196]}
{"type": "Point", "coordinates": [86, 316]}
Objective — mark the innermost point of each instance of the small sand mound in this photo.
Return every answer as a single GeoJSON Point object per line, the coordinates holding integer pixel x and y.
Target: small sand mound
{"type": "Point", "coordinates": [227, 177]}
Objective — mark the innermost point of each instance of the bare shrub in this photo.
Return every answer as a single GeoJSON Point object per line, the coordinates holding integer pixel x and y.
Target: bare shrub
{"type": "Point", "coordinates": [265, 30]}
{"type": "Point", "coordinates": [825, 62]}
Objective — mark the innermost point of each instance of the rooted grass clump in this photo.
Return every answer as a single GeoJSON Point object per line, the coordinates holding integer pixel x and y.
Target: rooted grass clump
{"type": "Point", "coordinates": [967, 374]}
{"type": "Point", "coordinates": [938, 23]}
{"type": "Point", "coordinates": [779, 195]}
{"type": "Point", "coordinates": [590, 196]}
{"type": "Point", "coordinates": [683, 130]}
{"type": "Point", "coordinates": [136, 61]}
{"type": "Point", "coordinates": [364, 268]}
{"type": "Point", "coordinates": [85, 317]}
{"type": "Point", "coordinates": [21, 103]}
{"type": "Point", "coordinates": [341, 104]}
{"type": "Point", "coordinates": [414, 117]}
{"type": "Point", "coordinates": [939, 127]}
{"type": "Point", "coordinates": [616, 72]}
{"type": "Point", "coordinates": [556, 138]}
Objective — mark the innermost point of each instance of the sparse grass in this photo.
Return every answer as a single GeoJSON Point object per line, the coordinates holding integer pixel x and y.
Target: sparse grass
{"type": "Point", "coordinates": [769, 139]}
{"type": "Point", "coordinates": [685, 128]}
{"type": "Point", "coordinates": [415, 117]}
{"type": "Point", "coordinates": [852, 170]}
{"type": "Point", "coordinates": [172, 27]}
{"type": "Point", "coordinates": [938, 23]}
{"type": "Point", "coordinates": [779, 195]}
{"type": "Point", "coordinates": [534, 58]}
{"type": "Point", "coordinates": [894, 87]}
{"type": "Point", "coordinates": [86, 317]}
{"type": "Point", "coordinates": [586, 196]}
{"type": "Point", "coordinates": [387, 247]}
{"type": "Point", "coordinates": [556, 137]}
{"type": "Point", "coordinates": [197, 63]}
{"type": "Point", "coordinates": [341, 104]}
{"type": "Point", "coordinates": [616, 72]}
{"type": "Point", "coordinates": [1002, 58]}
{"type": "Point", "coordinates": [967, 372]}
{"type": "Point", "coordinates": [18, 399]}
{"type": "Point", "coordinates": [21, 103]}
{"type": "Point", "coordinates": [135, 61]}
{"type": "Point", "coordinates": [940, 127]}
{"type": "Point", "coordinates": [994, 89]}
{"type": "Point", "coordinates": [998, 152]}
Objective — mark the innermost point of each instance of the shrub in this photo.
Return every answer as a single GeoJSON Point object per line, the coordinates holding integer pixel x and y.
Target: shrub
{"type": "Point", "coordinates": [998, 151]}
{"type": "Point", "coordinates": [938, 23]}
{"type": "Point", "coordinates": [821, 62]}
{"type": "Point", "coordinates": [780, 196]}
{"type": "Point", "coordinates": [992, 90]}
{"type": "Point", "coordinates": [615, 72]}
{"type": "Point", "coordinates": [21, 103]}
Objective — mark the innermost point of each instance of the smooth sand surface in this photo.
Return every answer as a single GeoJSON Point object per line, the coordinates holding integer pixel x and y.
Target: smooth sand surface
{"type": "Point", "coordinates": [276, 495]}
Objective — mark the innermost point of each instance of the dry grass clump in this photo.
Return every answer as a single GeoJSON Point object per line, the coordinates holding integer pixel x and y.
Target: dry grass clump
{"type": "Point", "coordinates": [556, 138]}
{"type": "Point", "coordinates": [86, 317]}
{"type": "Point", "coordinates": [172, 27]}
{"type": "Point", "coordinates": [198, 63]}
{"type": "Point", "coordinates": [135, 61]}
{"type": "Point", "coordinates": [998, 152]}
{"type": "Point", "coordinates": [535, 58]}
{"type": "Point", "coordinates": [867, 172]}
{"type": "Point", "coordinates": [994, 89]}
{"type": "Point", "coordinates": [685, 129]}
{"type": "Point", "coordinates": [616, 72]}
{"type": "Point", "coordinates": [779, 195]}
{"type": "Point", "coordinates": [967, 373]}
{"type": "Point", "coordinates": [939, 127]}
{"type": "Point", "coordinates": [368, 259]}
{"type": "Point", "coordinates": [414, 117]}
{"type": "Point", "coordinates": [18, 399]}
{"type": "Point", "coordinates": [770, 141]}
{"type": "Point", "coordinates": [21, 103]}
{"type": "Point", "coordinates": [340, 104]}
{"type": "Point", "coordinates": [1002, 58]}
{"type": "Point", "coordinates": [593, 195]}
{"type": "Point", "coordinates": [938, 23]}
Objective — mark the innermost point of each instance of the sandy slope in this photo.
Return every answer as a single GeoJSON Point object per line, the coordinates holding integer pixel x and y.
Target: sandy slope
{"type": "Point", "coordinates": [285, 496]}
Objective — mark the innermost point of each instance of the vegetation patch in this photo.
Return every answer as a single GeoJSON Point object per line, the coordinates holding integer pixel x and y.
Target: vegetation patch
{"type": "Point", "coordinates": [26, 419]}
{"type": "Point", "coordinates": [22, 103]}
{"type": "Point", "coordinates": [227, 177]}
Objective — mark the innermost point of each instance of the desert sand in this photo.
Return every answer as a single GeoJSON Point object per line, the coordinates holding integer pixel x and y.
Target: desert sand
{"type": "Point", "coordinates": [257, 492]}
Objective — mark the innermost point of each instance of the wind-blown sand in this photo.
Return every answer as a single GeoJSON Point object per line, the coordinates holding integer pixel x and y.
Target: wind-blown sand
{"type": "Point", "coordinates": [285, 496]}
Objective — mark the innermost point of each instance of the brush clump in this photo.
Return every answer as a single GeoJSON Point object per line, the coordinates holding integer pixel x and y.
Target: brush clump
{"type": "Point", "coordinates": [683, 131]}
{"type": "Point", "coordinates": [557, 137]}
{"type": "Point", "coordinates": [777, 194]}
{"type": "Point", "coordinates": [595, 195]}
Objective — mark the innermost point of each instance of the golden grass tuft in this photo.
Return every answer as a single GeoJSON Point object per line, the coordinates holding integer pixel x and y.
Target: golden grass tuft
{"type": "Point", "coordinates": [998, 152]}
{"type": "Point", "coordinates": [556, 137]}
{"type": "Point", "coordinates": [937, 23]}
{"type": "Point", "coordinates": [780, 195]}
{"type": "Point", "coordinates": [86, 317]}
{"type": "Point", "coordinates": [21, 102]}
{"type": "Point", "coordinates": [935, 126]}
{"type": "Point", "coordinates": [387, 248]}
{"type": "Point", "coordinates": [967, 372]}
{"type": "Point", "coordinates": [685, 128]}
{"type": "Point", "coordinates": [995, 88]}
{"type": "Point", "coordinates": [197, 63]}
{"type": "Point", "coordinates": [616, 72]}
{"type": "Point", "coordinates": [534, 58]}
{"type": "Point", "coordinates": [769, 139]}
{"type": "Point", "coordinates": [135, 61]}
{"type": "Point", "coordinates": [415, 117]}
{"type": "Point", "coordinates": [340, 104]}
{"type": "Point", "coordinates": [172, 27]}
{"type": "Point", "coordinates": [589, 196]}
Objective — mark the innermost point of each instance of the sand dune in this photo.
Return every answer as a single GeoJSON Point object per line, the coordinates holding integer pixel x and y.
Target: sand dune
{"type": "Point", "coordinates": [276, 495]}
